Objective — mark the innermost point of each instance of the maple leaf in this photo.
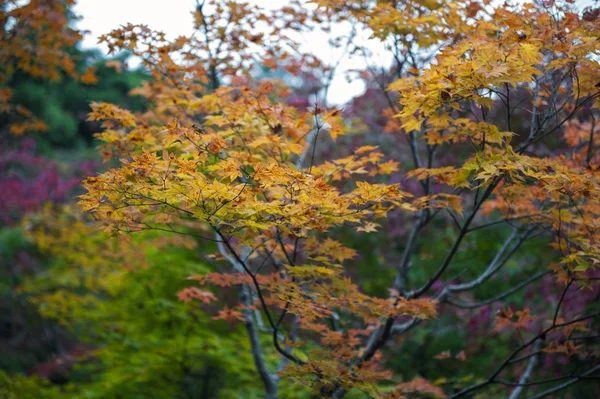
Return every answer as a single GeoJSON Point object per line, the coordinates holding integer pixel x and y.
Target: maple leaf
{"type": "Point", "coordinates": [368, 228]}
{"type": "Point", "coordinates": [105, 111]}
{"type": "Point", "coordinates": [421, 386]}
{"type": "Point", "coordinates": [229, 314]}
{"type": "Point", "coordinates": [188, 294]}
{"type": "Point", "coordinates": [364, 149]}
{"type": "Point", "coordinates": [336, 250]}
{"type": "Point", "coordinates": [388, 167]}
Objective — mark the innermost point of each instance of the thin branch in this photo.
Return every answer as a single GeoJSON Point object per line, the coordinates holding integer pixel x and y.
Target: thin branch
{"type": "Point", "coordinates": [527, 374]}
{"type": "Point", "coordinates": [525, 345]}
{"type": "Point", "coordinates": [498, 297]}
{"type": "Point", "coordinates": [461, 235]}
{"type": "Point", "coordinates": [246, 300]}
{"type": "Point", "coordinates": [560, 301]}
{"type": "Point", "coordinates": [400, 281]}
{"type": "Point", "coordinates": [532, 130]}
{"type": "Point", "coordinates": [565, 384]}
{"type": "Point", "coordinates": [590, 149]}
{"type": "Point", "coordinates": [240, 263]}
{"type": "Point", "coordinates": [500, 221]}
{"type": "Point", "coordinates": [499, 260]}
{"type": "Point", "coordinates": [309, 139]}
{"type": "Point", "coordinates": [318, 126]}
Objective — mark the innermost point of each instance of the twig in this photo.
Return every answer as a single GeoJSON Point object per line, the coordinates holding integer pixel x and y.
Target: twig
{"type": "Point", "coordinates": [565, 384]}
{"type": "Point", "coordinates": [498, 297]}
{"type": "Point", "coordinates": [527, 374]}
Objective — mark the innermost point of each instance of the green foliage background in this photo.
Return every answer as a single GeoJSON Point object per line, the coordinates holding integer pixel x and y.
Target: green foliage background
{"type": "Point", "coordinates": [135, 339]}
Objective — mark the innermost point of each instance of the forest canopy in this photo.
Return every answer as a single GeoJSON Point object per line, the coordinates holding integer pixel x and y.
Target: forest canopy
{"type": "Point", "coordinates": [208, 226]}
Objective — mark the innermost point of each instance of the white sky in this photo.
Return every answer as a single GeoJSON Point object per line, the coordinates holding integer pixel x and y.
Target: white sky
{"type": "Point", "coordinates": [174, 18]}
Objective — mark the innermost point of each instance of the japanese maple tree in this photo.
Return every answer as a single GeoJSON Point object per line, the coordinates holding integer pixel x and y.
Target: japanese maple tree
{"type": "Point", "coordinates": [510, 91]}
{"type": "Point", "coordinates": [36, 39]}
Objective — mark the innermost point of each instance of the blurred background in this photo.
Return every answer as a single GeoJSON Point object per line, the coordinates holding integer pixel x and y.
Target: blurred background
{"type": "Point", "coordinates": [84, 316]}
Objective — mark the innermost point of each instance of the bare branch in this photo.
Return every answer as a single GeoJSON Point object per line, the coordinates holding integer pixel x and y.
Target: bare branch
{"type": "Point", "coordinates": [509, 359]}
{"type": "Point", "coordinates": [498, 297]}
{"type": "Point", "coordinates": [499, 260]}
{"type": "Point", "coordinates": [461, 235]}
{"type": "Point", "coordinates": [527, 374]}
{"type": "Point", "coordinates": [566, 383]}
{"type": "Point", "coordinates": [245, 296]}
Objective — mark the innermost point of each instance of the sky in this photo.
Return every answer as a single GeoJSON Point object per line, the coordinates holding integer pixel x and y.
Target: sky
{"type": "Point", "coordinates": [174, 18]}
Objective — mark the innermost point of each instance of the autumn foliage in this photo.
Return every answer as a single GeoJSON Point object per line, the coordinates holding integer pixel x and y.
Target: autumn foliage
{"type": "Point", "coordinates": [493, 107]}
{"type": "Point", "coordinates": [36, 37]}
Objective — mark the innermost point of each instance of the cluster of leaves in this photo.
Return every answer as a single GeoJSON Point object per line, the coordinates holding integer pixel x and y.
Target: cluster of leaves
{"type": "Point", "coordinates": [63, 105]}
{"type": "Point", "coordinates": [242, 180]}
{"type": "Point", "coordinates": [237, 173]}
{"type": "Point", "coordinates": [221, 162]}
{"type": "Point", "coordinates": [30, 180]}
{"type": "Point", "coordinates": [47, 82]}
{"type": "Point", "coordinates": [118, 299]}
{"type": "Point", "coordinates": [36, 38]}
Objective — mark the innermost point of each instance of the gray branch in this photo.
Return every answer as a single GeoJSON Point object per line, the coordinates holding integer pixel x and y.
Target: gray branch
{"type": "Point", "coordinates": [565, 384]}
{"type": "Point", "coordinates": [465, 305]}
{"type": "Point", "coordinates": [501, 257]}
{"type": "Point", "coordinates": [269, 380]}
{"type": "Point", "coordinates": [527, 374]}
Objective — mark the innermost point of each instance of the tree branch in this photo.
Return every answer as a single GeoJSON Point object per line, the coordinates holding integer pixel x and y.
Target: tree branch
{"type": "Point", "coordinates": [245, 296]}
{"type": "Point", "coordinates": [499, 260]}
{"type": "Point", "coordinates": [498, 297]}
{"type": "Point", "coordinates": [461, 235]}
{"type": "Point", "coordinates": [509, 359]}
{"type": "Point", "coordinates": [527, 374]}
{"type": "Point", "coordinates": [566, 383]}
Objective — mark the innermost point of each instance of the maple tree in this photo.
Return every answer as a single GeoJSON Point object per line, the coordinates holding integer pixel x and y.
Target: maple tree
{"type": "Point", "coordinates": [130, 327]}
{"type": "Point", "coordinates": [46, 84]}
{"type": "Point", "coordinates": [37, 42]}
{"type": "Point", "coordinates": [493, 109]}
{"type": "Point", "coordinates": [233, 164]}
